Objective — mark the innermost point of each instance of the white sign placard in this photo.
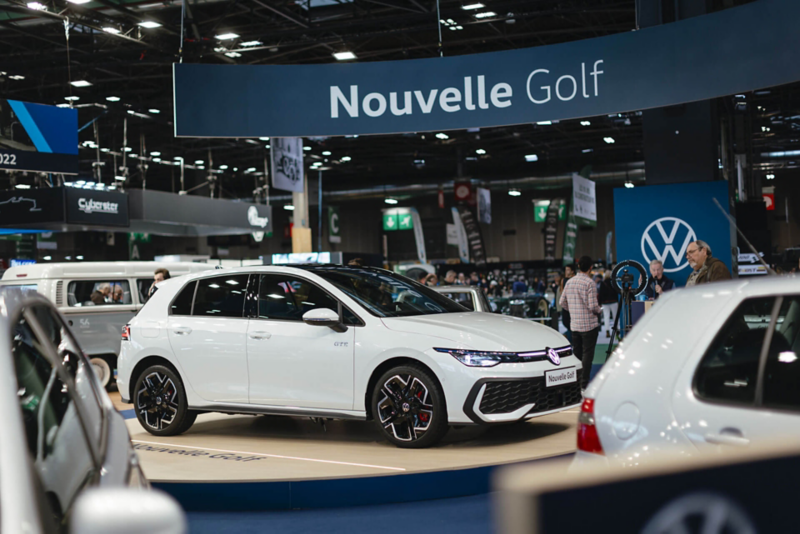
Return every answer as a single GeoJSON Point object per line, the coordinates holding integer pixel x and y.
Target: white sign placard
{"type": "Point", "coordinates": [584, 200]}
{"type": "Point", "coordinates": [287, 164]}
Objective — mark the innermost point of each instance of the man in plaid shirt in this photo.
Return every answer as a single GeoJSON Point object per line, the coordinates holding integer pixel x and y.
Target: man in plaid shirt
{"type": "Point", "coordinates": [580, 300]}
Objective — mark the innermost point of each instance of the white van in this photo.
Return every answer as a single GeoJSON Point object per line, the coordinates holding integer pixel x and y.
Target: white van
{"type": "Point", "coordinates": [96, 298]}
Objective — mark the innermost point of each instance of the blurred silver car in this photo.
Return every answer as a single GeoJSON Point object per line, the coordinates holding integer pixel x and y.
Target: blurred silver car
{"type": "Point", "coordinates": [65, 453]}
{"type": "Point", "coordinates": [471, 297]}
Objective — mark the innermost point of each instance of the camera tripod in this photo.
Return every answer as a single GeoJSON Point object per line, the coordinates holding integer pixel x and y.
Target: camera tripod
{"type": "Point", "coordinates": [622, 278]}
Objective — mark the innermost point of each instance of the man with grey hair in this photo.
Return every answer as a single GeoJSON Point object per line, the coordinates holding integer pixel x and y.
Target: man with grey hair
{"type": "Point", "coordinates": [658, 283]}
{"type": "Point", "coordinates": [706, 267]}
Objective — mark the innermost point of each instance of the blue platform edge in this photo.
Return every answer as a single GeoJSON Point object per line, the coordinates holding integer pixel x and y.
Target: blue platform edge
{"type": "Point", "coordinates": [334, 493]}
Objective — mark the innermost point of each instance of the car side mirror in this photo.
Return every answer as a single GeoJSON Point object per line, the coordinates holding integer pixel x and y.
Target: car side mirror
{"type": "Point", "coordinates": [127, 511]}
{"type": "Point", "coordinates": [324, 317]}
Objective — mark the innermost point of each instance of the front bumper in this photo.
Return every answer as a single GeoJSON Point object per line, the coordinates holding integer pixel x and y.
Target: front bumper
{"type": "Point", "coordinates": [509, 399]}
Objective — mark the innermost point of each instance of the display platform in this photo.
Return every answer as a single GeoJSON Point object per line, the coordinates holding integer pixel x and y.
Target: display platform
{"type": "Point", "coordinates": [269, 462]}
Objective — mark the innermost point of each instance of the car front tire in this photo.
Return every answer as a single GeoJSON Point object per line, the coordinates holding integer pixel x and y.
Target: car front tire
{"type": "Point", "coordinates": [409, 407]}
{"type": "Point", "coordinates": [160, 402]}
{"type": "Point", "coordinates": [102, 369]}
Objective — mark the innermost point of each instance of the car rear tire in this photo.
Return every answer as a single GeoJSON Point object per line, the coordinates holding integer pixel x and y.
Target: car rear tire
{"type": "Point", "coordinates": [409, 407]}
{"type": "Point", "coordinates": [102, 369]}
{"type": "Point", "coordinates": [160, 402]}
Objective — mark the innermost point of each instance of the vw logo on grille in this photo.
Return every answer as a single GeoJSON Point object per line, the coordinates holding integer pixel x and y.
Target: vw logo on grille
{"type": "Point", "coordinates": [406, 407]}
{"type": "Point", "coordinates": [553, 355]}
{"type": "Point", "coordinates": [666, 239]}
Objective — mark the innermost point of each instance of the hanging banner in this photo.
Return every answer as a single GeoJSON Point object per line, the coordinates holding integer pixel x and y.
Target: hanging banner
{"type": "Point", "coordinates": [699, 58]}
{"type": "Point", "coordinates": [35, 137]}
{"type": "Point", "coordinates": [584, 201]}
{"type": "Point", "coordinates": [570, 236]}
{"type": "Point", "coordinates": [550, 230]}
{"type": "Point", "coordinates": [484, 205]}
{"type": "Point", "coordinates": [461, 236]}
{"type": "Point", "coordinates": [287, 164]}
{"type": "Point", "coordinates": [609, 257]}
{"type": "Point", "coordinates": [415, 223]}
{"type": "Point", "coordinates": [333, 225]}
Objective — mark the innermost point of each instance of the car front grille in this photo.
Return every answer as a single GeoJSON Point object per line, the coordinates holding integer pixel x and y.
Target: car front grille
{"type": "Point", "coordinates": [505, 396]}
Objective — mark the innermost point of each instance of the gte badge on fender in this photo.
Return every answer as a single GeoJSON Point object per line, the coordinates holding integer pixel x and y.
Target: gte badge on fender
{"type": "Point", "coordinates": [553, 355]}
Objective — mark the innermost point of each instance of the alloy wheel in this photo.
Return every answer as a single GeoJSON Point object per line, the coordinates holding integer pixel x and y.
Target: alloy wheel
{"type": "Point", "coordinates": [157, 401]}
{"type": "Point", "coordinates": [405, 408]}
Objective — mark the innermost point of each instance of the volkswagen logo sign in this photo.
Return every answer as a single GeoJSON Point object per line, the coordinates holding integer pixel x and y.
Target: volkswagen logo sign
{"type": "Point", "coordinates": [553, 356]}
{"type": "Point", "coordinates": [666, 239]}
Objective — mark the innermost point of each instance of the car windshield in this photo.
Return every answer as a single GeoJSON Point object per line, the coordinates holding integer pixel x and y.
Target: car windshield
{"type": "Point", "coordinates": [386, 294]}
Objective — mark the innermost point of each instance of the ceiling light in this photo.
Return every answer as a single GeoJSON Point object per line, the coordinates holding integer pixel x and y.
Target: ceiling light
{"type": "Point", "coordinates": [266, 146]}
{"type": "Point", "coordinates": [531, 157]}
{"type": "Point", "coordinates": [770, 177]}
{"type": "Point", "coordinates": [105, 150]}
{"type": "Point", "coordinates": [306, 148]}
{"type": "Point", "coordinates": [346, 158]}
{"type": "Point", "coordinates": [109, 29]}
{"type": "Point", "coordinates": [251, 43]}
{"type": "Point", "coordinates": [343, 56]}
{"type": "Point", "coordinates": [227, 36]}
{"type": "Point", "coordinates": [155, 153]}
{"type": "Point", "coordinates": [131, 112]}
{"type": "Point", "coordinates": [16, 77]}
{"type": "Point", "coordinates": [150, 24]}
{"type": "Point", "coordinates": [36, 6]}
{"type": "Point", "coordinates": [485, 14]}
{"type": "Point", "coordinates": [514, 192]}
{"type": "Point", "coordinates": [587, 150]}
{"type": "Point", "coordinates": [390, 200]}
{"type": "Point", "coordinates": [72, 98]}
{"type": "Point", "coordinates": [609, 140]}
{"type": "Point", "coordinates": [263, 138]}
{"type": "Point", "coordinates": [441, 135]}
{"type": "Point", "coordinates": [288, 207]}
{"type": "Point", "coordinates": [112, 98]}
{"type": "Point", "coordinates": [480, 152]}
{"type": "Point", "coordinates": [154, 111]}
{"type": "Point", "coordinates": [544, 123]}
{"type": "Point", "coordinates": [586, 123]}
{"type": "Point", "coordinates": [472, 6]}
{"type": "Point", "coordinates": [22, 186]}
{"type": "Point", "coordinates": [201, 167]}
{"type": "Point", "coordinates": [783, 357]}
{"type": "Point", "coordinates": [79, 257]}
{"type": "Point", "coordinates": [628, 185]}
{"type": "Point", "coordinates": [81, 83]}
{"type": "Point", "coordinates": [126, 149]}
{"type": "Point", "coordinates": [79, 2]}
{"type": "Point", "coordinates": [220, 49]}
{"type": "Point", "coordinates": [48, 258]}
{"type": "Point", "coordinates": [223, 167]}
{"type": "Point", "coordinates": [198, 162]}
{"type": "Point", "coordinates": [62, 105]}
{"type": "Point", "coordinates": [251, 169]}
{"type": "Point", "coordinates": [233, 54]}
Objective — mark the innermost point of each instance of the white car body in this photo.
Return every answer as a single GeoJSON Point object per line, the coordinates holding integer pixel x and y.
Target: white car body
{"type": "Point", "coordinates": [252, 365]}
{"type": "Point", "coordinates": [646, 398]}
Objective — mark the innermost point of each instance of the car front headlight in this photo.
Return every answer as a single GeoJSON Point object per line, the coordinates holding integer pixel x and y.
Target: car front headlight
{"type": "Point", "coordinates": [479, 358]}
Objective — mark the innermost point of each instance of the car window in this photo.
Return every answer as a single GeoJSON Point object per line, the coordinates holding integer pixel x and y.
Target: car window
{"type": "Point", "coordinates": [729, 370]}
{"type": "Point", "coordinates": [143, 286]}
{"type": "Point", "coordinates": [182, 305]}
{"type": "Point", "coordinates": [82, 293]}
{"type": "Point", "coordinates": [782, 369]}
{"type": "Point", "coordinates": [18, 289]}
{"type": "Point", "coordinates": [221, 296]}
{"type": "Point", "coordinates": [288, 298]}
{"type": "Point", "coordinates": [465, 299]}
{"type": "Point", "coordinates": [55, 436]}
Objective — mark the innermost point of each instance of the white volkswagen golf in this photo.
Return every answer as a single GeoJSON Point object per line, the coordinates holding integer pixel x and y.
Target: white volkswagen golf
{"type": "Point", "coordinates": [711, 367]}
{"type": "Point", "coordinates": [337, 342]}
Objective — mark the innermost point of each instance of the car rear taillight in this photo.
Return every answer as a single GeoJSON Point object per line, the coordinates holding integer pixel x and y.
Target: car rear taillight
{"type": "Point", "coordinates": [588, 440]}
{"type": "Point", "coordinates": [126, 332]}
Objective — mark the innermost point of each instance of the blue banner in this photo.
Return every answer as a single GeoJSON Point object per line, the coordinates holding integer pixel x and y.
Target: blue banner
{"type": "Point", "coordinates": [738, 49]}
{"type": "Point", "coordinates": [36, 137]}
{"type": "Point", "coordinates": [659, 222]}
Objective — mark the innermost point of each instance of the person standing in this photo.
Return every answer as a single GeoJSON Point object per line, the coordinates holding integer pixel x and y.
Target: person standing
{"type": "Point", "coordinates": [580, 300]}
{"type": "Point", "coordinates": [569, 272]}
{"type": "Point", "coordinates": [706, 267]}
{"type": "Point", "coordinates": [658, 283]}
{"type": "Point", "coordinates": [160, 275]}
{"type": "Point", "coordinates": [607, 296]}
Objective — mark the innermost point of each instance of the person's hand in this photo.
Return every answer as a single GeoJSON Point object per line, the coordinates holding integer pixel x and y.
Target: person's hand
{"type": "Point", "coordinates": [658, 289]}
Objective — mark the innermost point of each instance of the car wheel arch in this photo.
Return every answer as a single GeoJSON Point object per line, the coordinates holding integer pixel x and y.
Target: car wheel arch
{"type": "Point", "coordinates": [146, 362]}
{"type": "Point", "coordinates": [385, 366]}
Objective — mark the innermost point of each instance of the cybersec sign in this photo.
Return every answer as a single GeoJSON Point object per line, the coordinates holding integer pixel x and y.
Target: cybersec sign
{"type": "Point", "coordinates": [694, 59]}
{"type": "Point", "coordinates": [658, 223]}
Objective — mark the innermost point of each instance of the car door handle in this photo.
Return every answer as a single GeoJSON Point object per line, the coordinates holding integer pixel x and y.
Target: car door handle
{"type": "Point", "coordinates": [259, 335]}
{"type": "Point", "coordinates": [181, 330]}
{"type": "Point", "coordinates": [727, 439]}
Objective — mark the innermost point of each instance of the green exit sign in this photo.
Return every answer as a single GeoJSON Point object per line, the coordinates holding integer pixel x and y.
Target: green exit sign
{"type": "Point", "coordinates": [397, 219]}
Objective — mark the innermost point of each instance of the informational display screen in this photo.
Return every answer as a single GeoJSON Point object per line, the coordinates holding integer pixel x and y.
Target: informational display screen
{"type": "Point", "coordinates": [85, 206]}
{"type": "Point", "coordinates": [35, 137]}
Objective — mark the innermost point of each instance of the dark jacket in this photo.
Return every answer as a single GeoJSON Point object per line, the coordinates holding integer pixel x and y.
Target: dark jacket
{"type": "Point", "coordinates": [665, 283]}
{"type": "Point", "coordinates": [712, 270]}
{"type": "Point", "coordinates": [607, 294]}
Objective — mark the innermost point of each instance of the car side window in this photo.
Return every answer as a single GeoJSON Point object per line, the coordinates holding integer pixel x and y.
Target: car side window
{"type": "Point", "coordinates": [465, 299]}
{"type": "Point", "coordinates": [288, 298]}
{"type": "Point", "coordinates": [56, 438]}
{"type": "Point", "coordinates": [221, 296]}
{"type": "Point", "coordinates": [782, 369]}
{"type": "Point", "coordinates": [728, 371]}
{"type": "Point", "coordinates": [143, 286]}
{"type": "Point", "coordinates": [182, 305]}
{"type": "Point", "coordinates": [83, 293]}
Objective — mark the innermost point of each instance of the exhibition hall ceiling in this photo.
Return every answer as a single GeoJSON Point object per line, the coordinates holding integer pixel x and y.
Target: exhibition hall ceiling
{"type": "Point", "coordinates": [124, 51]}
